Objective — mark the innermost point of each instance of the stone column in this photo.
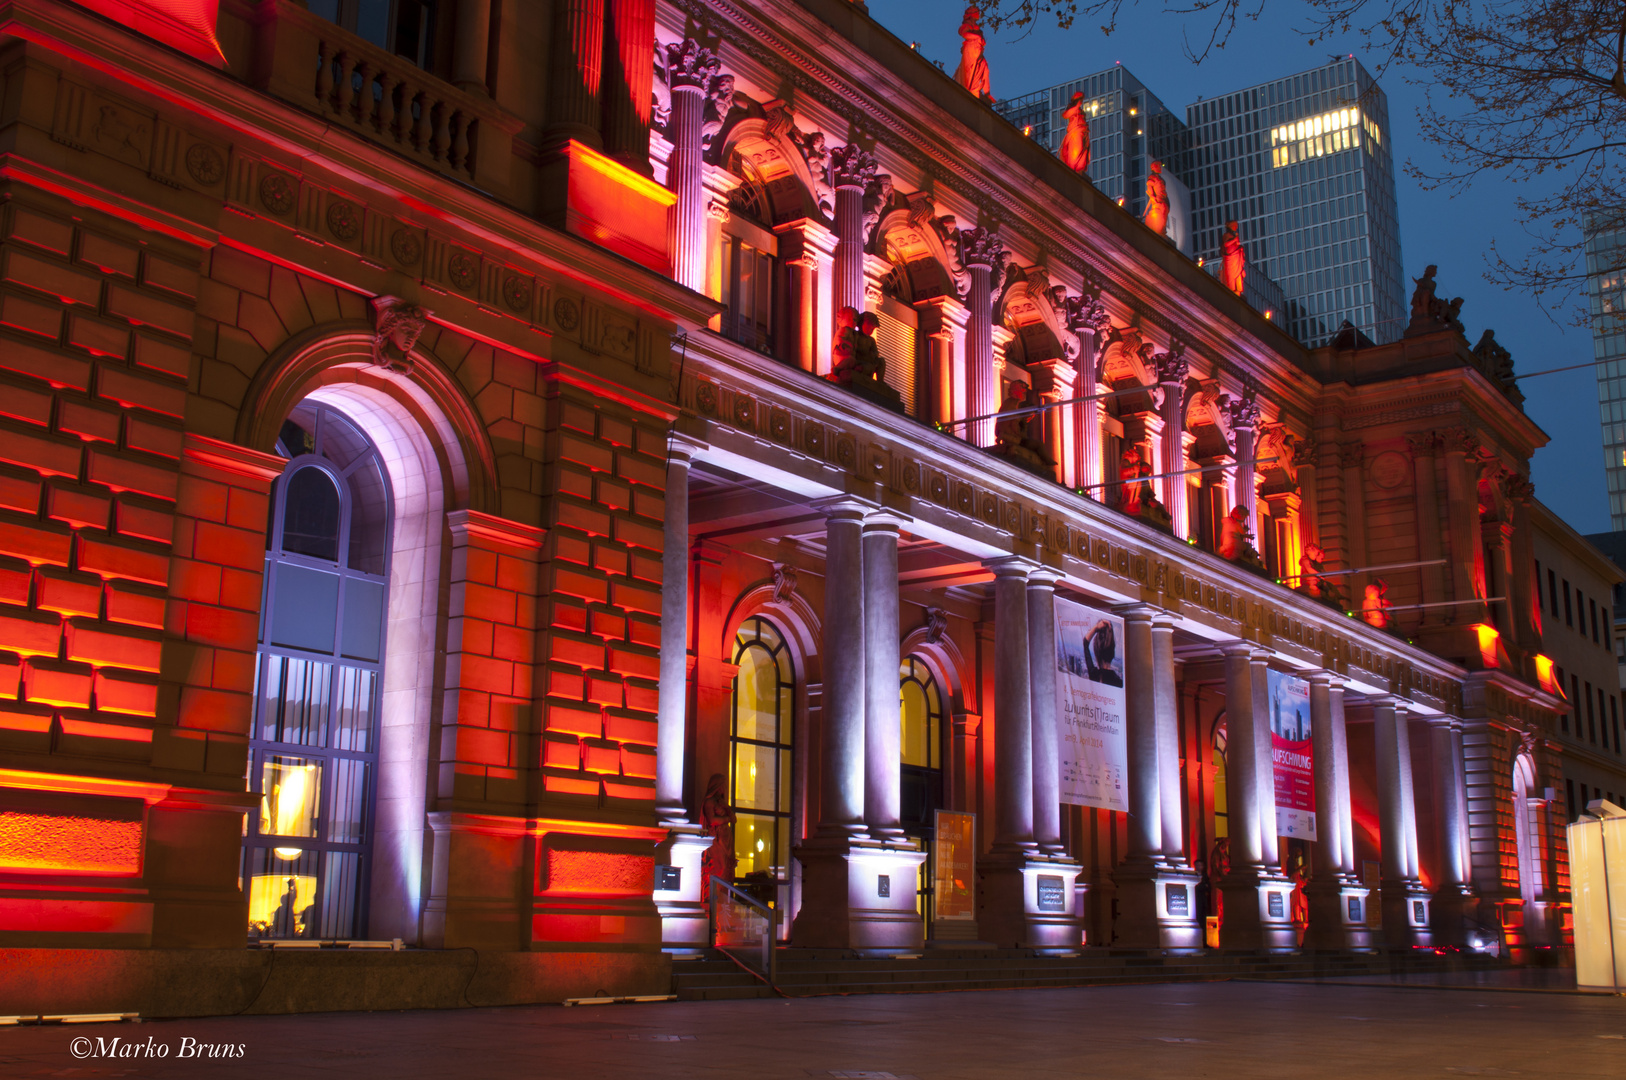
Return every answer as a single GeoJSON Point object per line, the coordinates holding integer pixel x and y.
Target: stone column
{"type": "Point", "coordinates": [1024, 895]}
{"type": "Point", "coordinates": [1352, 460]}
{"type": "Point", "coordinates": [681, 903]}
{"type": "Point", "coordinates": [1140, 700]}
{"type": "Point", "coordinates": [844, 739]}
{"type": "Point", "coordinates": [629, 78]}
{"type": "Point", "coordinates": [1453, 899]}
{"type": "Point", "coordinates": [983, 255]}
{"type": "Point", "coordinates": [1258, 909]}
{"type": "Point", "coordinates": [1423, 447]}
{"type": "Point", "coordinates": [943, 320]}
{"type": "Point", "coordinates": [1462, 493]}
{"type": "Point", "coordinates": [471, 37]}
{"type": "Point", "coordinates": [1172, 371]}
{"type": "Point", "coordinates": [1335, 922]}
{"type": "Point", "coordinates": [1403, 923]}
{"type": "Point", "coordinates": [1041, 605]}
{"type": "Point", "coordinates": [806, 250]}
{"type": "Point", "coordinates": [1166, 713]}
{"type": "Point", "coordinates": [1244, 422]}
{"type": "Point", "coordinates": [882, 704]}
{"type": "Point", "coordinates": [1091, 324]}
{"type": "Point", "coordinates": [1013, 711]}
{"type": "Point", "coordinates": [852, 169]}
{"type": "Point", "coordinates": [1522, 601]}
{"type": "Point", "coordinates": [1055, 383]}
{"type": "Point", "coordinates": [691, 73]}
{"type": "Point", "coordinates": [577, 72]}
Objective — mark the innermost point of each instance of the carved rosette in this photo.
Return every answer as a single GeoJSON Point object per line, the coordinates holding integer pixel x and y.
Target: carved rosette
{"type": "Point", "coordinates": [689, 66]}
{"type": "Point", "coordinates": [397, 325]}
{"type": "Point", "coordinates": [851, 166]}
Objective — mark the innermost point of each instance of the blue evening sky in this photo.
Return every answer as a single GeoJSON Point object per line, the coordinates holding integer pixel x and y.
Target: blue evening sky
{"type": "Point", "coordinates": [1451, 229]}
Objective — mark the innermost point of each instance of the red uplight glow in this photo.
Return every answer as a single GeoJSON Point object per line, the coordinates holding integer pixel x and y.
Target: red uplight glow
{"type": "Point", "coordinates": [187, 25]}
{"type": "Point", "coordinates": [47, 843]}
{"type": "Point", "coordinates": [1489, 640]}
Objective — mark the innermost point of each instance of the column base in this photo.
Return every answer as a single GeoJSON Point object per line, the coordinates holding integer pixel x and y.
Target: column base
{"type": "Point", "coordinates": [1337, 916]}
{"type": "Point", "coordinates": [1258, 913]}
{"type": "Point", "coordinates": [681, 890]}
{"type": "Point", "coordinates": [859, 894]}
{"type": "Point", "coordinates": [1456, 911]}
{"type": "Point", "coordinates": [1406, 914]}
{"type": "Point", "coordinates": [1025, 901]}
{"type": "Point", "coordinates": [1157, 906]}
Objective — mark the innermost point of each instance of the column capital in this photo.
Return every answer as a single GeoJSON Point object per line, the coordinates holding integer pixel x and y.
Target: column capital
{"type": "Point", "coordinates": [845, 508]}
{"type": "Point", "coordinates": [1044, 577]}
{"type": "Point", "coordinates": [1244, 648]}
{"type": "Point", "coordinates": [885, 519]}
{"type": "Point", "coordinates": [682, 449]}
{"type": "Point", "coordinates": [852, 166]}
{"type": "Point", "coordinates": [1011, 566]}
{"type": "Point", "coordinates": [1138, 612]}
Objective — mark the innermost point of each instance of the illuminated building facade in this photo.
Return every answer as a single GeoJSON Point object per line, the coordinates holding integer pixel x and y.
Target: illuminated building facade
{"type": "Point", "coordinates": [1304, 165]}
{"type": "Point", "coordinates": [429, 514]}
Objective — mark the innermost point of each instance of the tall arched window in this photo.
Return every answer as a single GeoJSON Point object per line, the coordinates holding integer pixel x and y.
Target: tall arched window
{"type": "Point", "coordinates": [921, 753]}
{"type": "Point", "coordinates": [1526, 830]}
{"type": "Point", "coordinates": [314, 745]}
{"type": "Point", "coordinates": [760, 757]}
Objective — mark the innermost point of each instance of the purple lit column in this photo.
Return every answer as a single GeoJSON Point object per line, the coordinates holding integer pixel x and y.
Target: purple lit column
{"type": "Point", "coordinates": [841, 806]}
{"type": "Point", "coordinates": [851, 171]}
{"type": "Point", "coordinates": [1041, 636]}
{"type": "Point", "coordinates": [983, 256]}
{"type": "Point", "coordinates": [690, 73]}
{"type": "Point", "coordinates": [1244, 421]}
{"type": "Point", "coordinates": [883, 719]}
{"type": "Point", "coordinates": [671, 709]}
{"type": "Point", "coordinates": [1172, 370]}
{"type": "Point", "coordinates": [1013, 710]}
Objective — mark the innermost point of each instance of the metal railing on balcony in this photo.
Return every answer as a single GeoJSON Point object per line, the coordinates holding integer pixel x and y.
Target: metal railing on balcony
{"type": "Point", "coordinates": [745, 929]}
{"type": "Point", "coordinates": [388, 99]}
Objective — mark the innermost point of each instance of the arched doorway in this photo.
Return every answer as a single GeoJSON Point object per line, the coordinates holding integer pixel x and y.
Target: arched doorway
{"type": "Point", "coordinates": [920, 750]}
{"type": "Point", "coordinates": [313, 750]}
{"type": "Point", "coordinates": [761, 739]}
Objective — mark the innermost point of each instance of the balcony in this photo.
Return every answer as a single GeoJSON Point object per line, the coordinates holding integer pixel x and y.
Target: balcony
{"type": "Point", "coordinates": [388, 100]}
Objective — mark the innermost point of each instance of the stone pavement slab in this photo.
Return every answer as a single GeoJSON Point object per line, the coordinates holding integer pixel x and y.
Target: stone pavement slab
{"type": "Point", "coordinates": [1251, 1030]}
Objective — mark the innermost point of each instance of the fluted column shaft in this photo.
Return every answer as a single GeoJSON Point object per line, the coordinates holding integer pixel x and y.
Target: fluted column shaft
{"type": "Point", "coordinates": [472, 38]}
{"type": "Point", "coordinates": [1013, 711]}
{"type": "Point", "coordinates": [1091, 469]}
{"type": "Point", "coordinates": [841, 811]}
{"type": "Point", "coordinates": [851, 170]}
{"type": "Point", "coordinates": [982, 394]}
{"type": "Point", "coordinates": [672, 700]}
{"type": "Point", "coordinates": [630, 79]}
{"type": "Point", "coordinates": [574, 109]}
{"type": "Point", "coordinates": [684, 176]}
{"type": "Point", "coordinates": [1241, 767]}
{"type": "Point", "coordinates": [1140, 703]}
{"type": "Point", "coordinates": [1396, 808]}
{"type": "Point", "coordinates": [882, 705]}
{"type": "Point", "coordinates": [1174, 456]}
{"type": "Point", "coordinates": [1247, 491]}
{"type": "Point", "coordinates": [1330, 824]}
{"type": "Point", "coordinates": [1041, 604]}
{"type": "Point", "coordinates": [1166, 711]}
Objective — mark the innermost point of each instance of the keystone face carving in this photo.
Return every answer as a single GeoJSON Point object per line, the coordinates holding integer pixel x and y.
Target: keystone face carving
{"type": "Point", "coordinates": [397, 325]}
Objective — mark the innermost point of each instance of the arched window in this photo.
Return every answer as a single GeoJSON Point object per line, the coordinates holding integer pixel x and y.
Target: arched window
{"type": "Point", "coordinates": [313, 749]}
{"type": "Point", "coordinates": [920, 793]}
{"type": "Point", "coordinates": [760, 756]}
{"type": "Point", "coordinates": [1526, 829]}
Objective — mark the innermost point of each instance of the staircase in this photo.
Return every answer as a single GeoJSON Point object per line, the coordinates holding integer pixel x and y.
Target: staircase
{"type": "Point", "coordinates": [814, 972]}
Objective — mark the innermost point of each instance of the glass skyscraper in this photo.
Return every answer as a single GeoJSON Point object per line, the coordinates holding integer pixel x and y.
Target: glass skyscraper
{"type": "Point", "coordinates": [1129, 129]}
{"type": "Point", "coordinates": [1303, 164]}
{"type": "Point", "coordinates": [1606, 286]}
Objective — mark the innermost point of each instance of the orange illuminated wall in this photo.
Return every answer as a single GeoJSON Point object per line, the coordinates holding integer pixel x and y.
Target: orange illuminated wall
{"type": "Point", "coordinates": [616, 208]}
{"type": "Point", "coordinates": [48, 843]}
{"type": "Point", "coordinates": [187, 25]}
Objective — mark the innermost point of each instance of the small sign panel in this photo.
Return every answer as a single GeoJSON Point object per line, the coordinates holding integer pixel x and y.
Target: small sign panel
{"type": "Point", "coordinates": [1051, 893]}
{"type": "Point", "coordinates": [1274, 905]}
{"type": "Point", "coordinates": [1355, 909]}
{"type": "Point", "coordinates": [883, 884]}
{"type": "Point", "coordinates": [668, 878]}
{"type": "Point", "coordinates": [1178, 902]}
{"type": "Point", "coordinates": [1419, 912]}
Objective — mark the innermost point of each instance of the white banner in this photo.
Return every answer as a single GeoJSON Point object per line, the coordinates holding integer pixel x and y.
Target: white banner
{"type": "Point", "coordinates": [1090, 714]}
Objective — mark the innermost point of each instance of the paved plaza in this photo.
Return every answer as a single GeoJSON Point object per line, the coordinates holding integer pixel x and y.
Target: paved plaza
{"type": "Point", "coordinates": [1256, 1030]}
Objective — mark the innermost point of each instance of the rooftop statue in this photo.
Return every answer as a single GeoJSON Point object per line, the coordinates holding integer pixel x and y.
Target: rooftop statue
{"type": "Point", "coordinates": [973, 70]}
{"type": "Point", "coordinates": [1234, 270]}
{"type": "Point", "coordinates": [1075, 145]}
{"type": "Point", "coordinates": [1011, 437]}
{"type": "Point", "coordinates": [1157, 202]}
{"type": "Point", "coordinates": [1429, 312]}
{"type": "Point", "coordinates": [1375, 607]}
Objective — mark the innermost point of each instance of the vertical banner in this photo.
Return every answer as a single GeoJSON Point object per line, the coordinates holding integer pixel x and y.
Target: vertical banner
{"type": "Point", "coordinates": [1291, 756]}
{"type": "Point", "coordinates": [1090, 713]}
{"type": "Point", "coordinates": [954, 864]}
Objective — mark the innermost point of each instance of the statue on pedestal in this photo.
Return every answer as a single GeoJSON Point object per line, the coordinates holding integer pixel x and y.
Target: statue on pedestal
{"type": "Point", "coordinates": [1011, 437]}
{"type": "Point", "coordinates": [1234, 270]}
{"type": "Point", "coordinates": [1138, 498]}
{"type": "Point", "coordinates": [1157, 202]}
{"type": "Point", "coordinates": [1429, 312]}
{"type": "Point", "coordinates": [856, 361]}
{"type": "Point", "coordinates": [1075, 145]}
{"type": "Point", "coordinates": [1322, 588]}
{"type": "Point", "coordinates": [973, 70]}
{"type": "Point", "coordinates": [1236, 540]}
{"type": "Point", "coordinates": [1375, 607]}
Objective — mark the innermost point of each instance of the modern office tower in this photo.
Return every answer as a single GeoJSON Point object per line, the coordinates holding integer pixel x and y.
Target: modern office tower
{"type": "Point", "coordinates": [1129, 129]}
{"type": "Point", "coordinates": [1303, 164]}
{"type": "Point", "coordinates": [1606, 286]}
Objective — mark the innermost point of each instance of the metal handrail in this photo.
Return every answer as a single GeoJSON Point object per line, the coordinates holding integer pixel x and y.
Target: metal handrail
{"type": "Point", "coordinates": [769, 961]}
